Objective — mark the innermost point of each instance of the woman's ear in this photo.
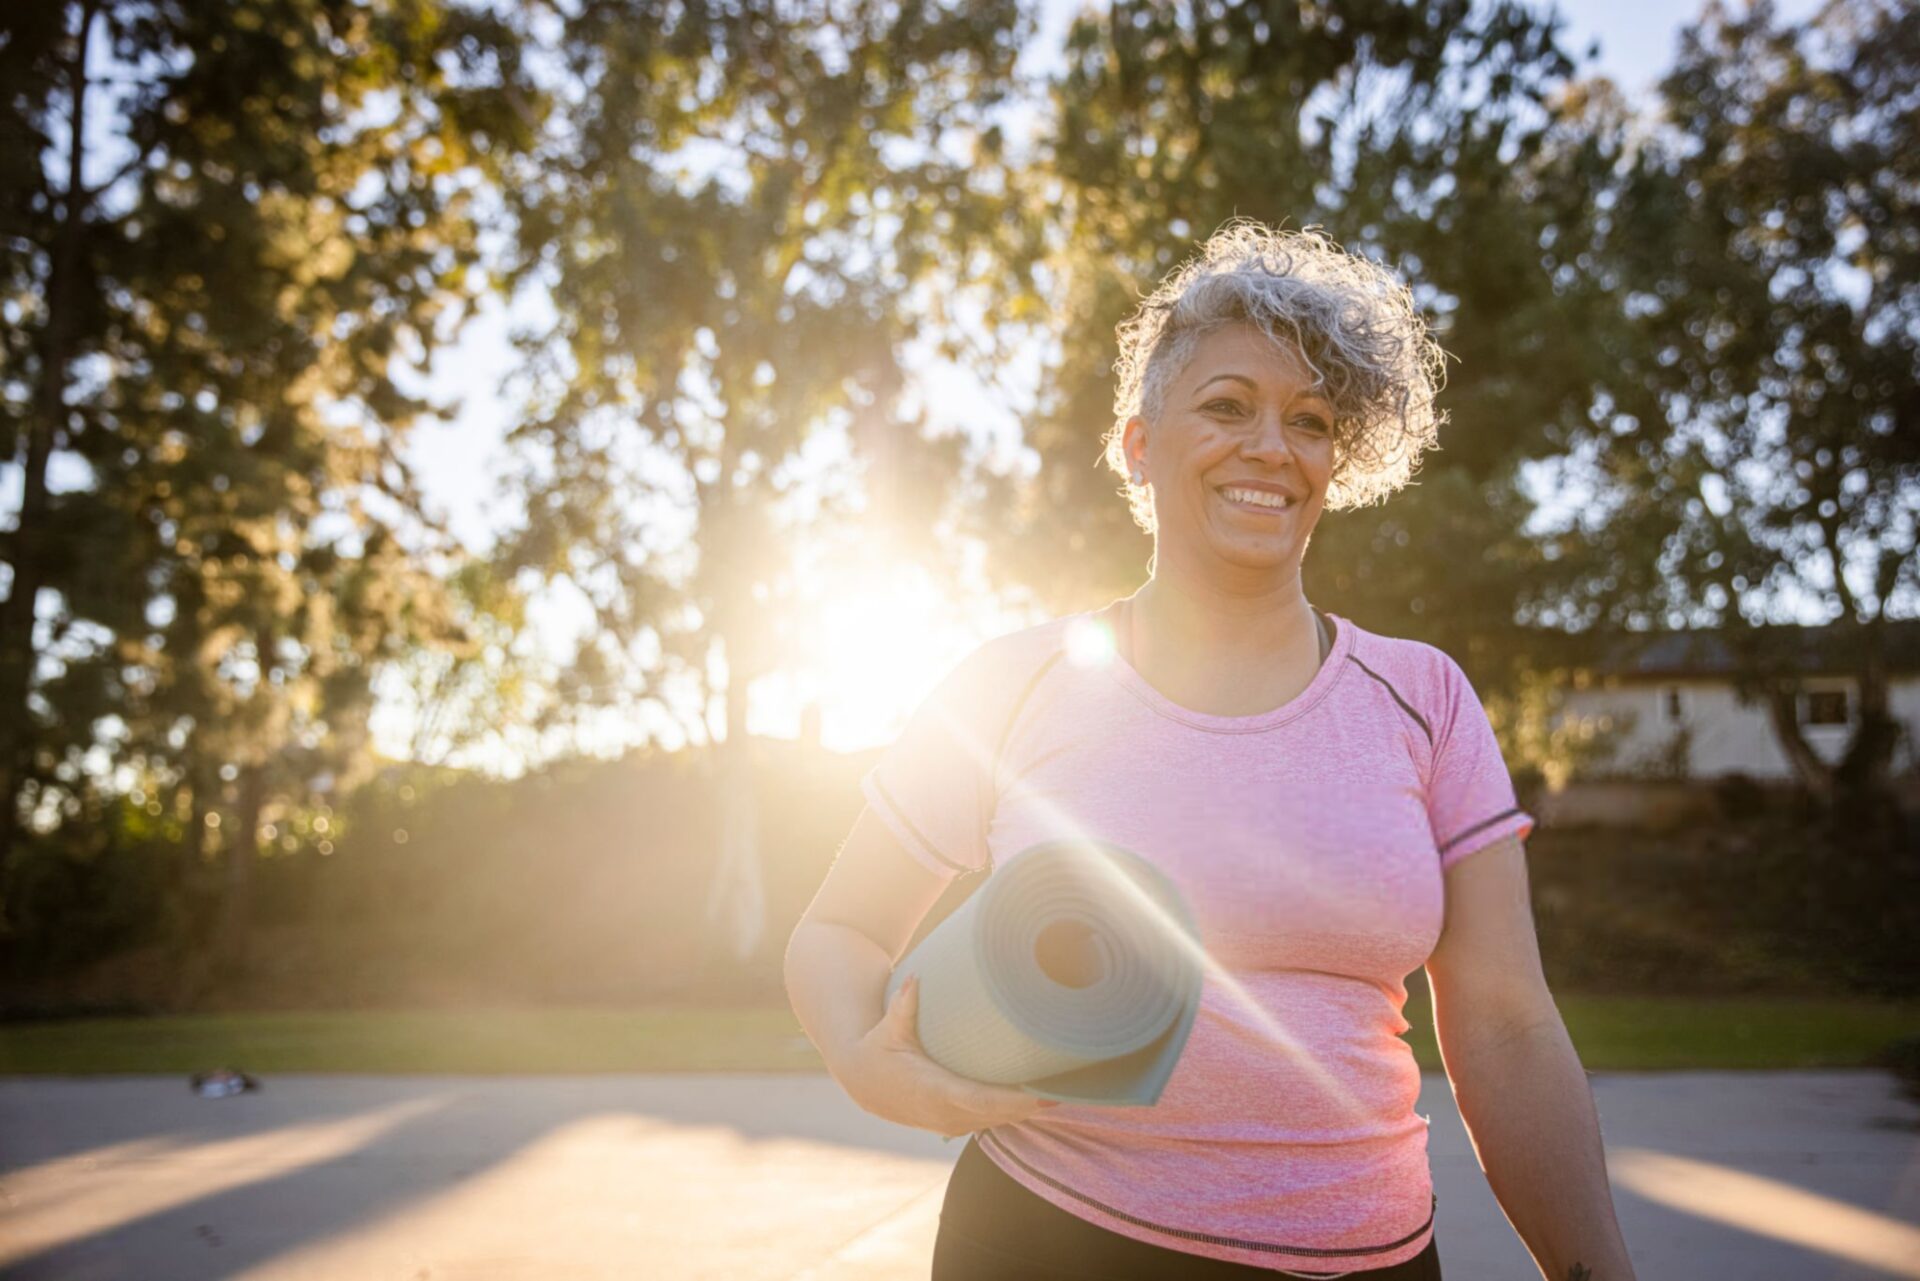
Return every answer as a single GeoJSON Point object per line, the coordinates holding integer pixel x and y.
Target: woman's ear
{"type": "Point", "coordinates": [1133, 442]}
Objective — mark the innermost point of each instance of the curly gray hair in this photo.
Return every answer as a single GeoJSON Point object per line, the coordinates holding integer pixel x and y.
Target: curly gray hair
{"type": "Point", "coordinates": [1352, 320]}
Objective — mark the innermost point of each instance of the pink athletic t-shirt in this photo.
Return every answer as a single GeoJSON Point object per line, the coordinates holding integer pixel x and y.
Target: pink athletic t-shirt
{"type": "Point", "coordinates": [1310, 842]}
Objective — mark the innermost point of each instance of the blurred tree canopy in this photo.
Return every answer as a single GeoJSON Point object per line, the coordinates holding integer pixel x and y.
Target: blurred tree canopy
{"type": "Point", "coordinates": [711, 318]}
{"type": "Point", "coordinates": [1417, 134]}
{"type": "Point", "coordinates": [227, 227]}
{"type": "Point", "coordinates": [231, 235]}
{"type": "Point", "coordinates": [1754, 438]}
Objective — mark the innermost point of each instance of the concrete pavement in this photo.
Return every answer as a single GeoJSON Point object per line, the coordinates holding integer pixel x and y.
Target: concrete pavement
{"type": "Point", "coordinates": [1747, 1176]}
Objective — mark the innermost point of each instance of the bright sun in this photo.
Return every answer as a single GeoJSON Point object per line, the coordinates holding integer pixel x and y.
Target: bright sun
{"type": "Point", "coordinates": [877, 643]}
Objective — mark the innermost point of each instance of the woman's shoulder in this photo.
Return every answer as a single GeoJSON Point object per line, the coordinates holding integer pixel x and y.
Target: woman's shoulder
{"type": "Point", "coordinates": [1024, 651]}
{"type": "Point", "coordinates": [997, 672]}
{"type": "Point", "coordinates": [1410, 666]}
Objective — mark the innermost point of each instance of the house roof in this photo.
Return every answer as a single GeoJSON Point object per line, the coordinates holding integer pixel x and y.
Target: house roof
{"type": "Point", "coordinates": [1812, 650]}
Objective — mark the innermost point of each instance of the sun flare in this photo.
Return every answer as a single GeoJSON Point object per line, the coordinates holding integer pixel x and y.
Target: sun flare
{"type": "Point", "coordinates": [875, 645]}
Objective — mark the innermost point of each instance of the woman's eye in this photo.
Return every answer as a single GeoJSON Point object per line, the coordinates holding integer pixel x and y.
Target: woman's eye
{"type": "Point", "coordinates": [1318, 426]}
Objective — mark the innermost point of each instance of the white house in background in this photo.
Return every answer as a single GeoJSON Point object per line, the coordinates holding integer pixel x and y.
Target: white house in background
{"type": "Point", "coordinates": [1670, 698]}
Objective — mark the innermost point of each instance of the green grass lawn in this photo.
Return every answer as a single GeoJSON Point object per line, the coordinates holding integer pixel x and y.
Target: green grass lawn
{"type": "Point", "coordinates": [1612, 1033]}
{"type": "Point", "coordinates": [1644, 1033]}
{"type": "Point", "coordinates": [475, 1041]}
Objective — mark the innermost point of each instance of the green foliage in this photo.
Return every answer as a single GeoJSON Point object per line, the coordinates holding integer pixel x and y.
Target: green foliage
{"type": "Point", "coordinates": [1543, 745]}
{"type": "Point", "coordinates": [1429, 136]}
{"type": "Point", "coordinates": [212, 287]}
{"type": "Point", "coordinates": [586, 883]}
{"type": "Point", "coordinates": [731, 218]}
{"type": "Point", "coordinates": [1758, 244]}
{"type": "Point", "coordinates": [582, 882]}
{"type": "Point", "coordinates": [1773, 895]}
{"type": "Point", "coordinates": [1754, 434]}
{"type": "Point", "coordinates": [70, 907]}
{"type": "Point", "coordinates": [217, 329]}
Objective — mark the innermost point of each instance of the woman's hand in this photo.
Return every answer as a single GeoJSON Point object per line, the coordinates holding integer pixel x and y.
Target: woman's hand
{"type": "Point", "coordinates": [890, 1075]}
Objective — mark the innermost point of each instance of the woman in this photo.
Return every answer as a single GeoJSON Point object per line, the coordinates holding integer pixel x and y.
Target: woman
{"type": "Point", "coordinates": [1332, 803]}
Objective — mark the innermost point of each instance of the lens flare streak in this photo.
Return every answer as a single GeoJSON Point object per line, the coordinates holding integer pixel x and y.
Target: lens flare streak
{"type": "Point", "coordinates": [1218, 973]}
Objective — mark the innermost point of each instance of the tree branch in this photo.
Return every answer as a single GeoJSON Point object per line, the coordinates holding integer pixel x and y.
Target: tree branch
{"type": "Point", "coordinates": [1830, 536]}
{"type": "Point", "coordinates": [137, 162]}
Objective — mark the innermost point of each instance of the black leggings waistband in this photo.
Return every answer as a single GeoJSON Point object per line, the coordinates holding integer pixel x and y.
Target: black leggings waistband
{"type": "Point", "coordinates": [993, 1229]}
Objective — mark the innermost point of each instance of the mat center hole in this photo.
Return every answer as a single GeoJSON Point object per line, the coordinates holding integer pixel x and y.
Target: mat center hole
{"type": "Point", "coordinates": [1068, 954]}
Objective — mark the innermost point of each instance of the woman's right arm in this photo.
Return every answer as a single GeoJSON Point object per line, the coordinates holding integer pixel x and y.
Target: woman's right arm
{"type": "Point", "coordinates": [837, 965]}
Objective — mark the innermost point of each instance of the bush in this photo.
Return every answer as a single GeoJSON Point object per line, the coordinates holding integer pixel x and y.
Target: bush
{"type": "Point", "coordinates": [1740, 796]}
{"type": "Point", "coordinates": [66, 908]}
{"type": "Point", "coordinates": [1778, 895]}
{"type": "Point", "coordinates": [588, 884]}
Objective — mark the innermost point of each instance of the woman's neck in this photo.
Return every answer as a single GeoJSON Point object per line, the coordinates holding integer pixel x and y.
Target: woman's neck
{"type": "Point", "coordinates": [1223, 653]}
{"type": "Point", "coordinates": [1227, 628]}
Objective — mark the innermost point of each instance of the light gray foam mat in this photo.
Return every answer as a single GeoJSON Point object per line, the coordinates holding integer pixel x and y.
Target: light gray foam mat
{"type": "Point", "coordinates": [1073, 972]}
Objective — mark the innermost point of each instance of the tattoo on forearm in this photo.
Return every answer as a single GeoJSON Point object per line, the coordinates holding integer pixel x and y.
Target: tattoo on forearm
{"type": "Point", "coordinates": [1579, 1272]}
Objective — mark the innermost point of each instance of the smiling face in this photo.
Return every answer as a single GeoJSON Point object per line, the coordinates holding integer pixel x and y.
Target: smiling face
{"type": "Point", "coordinates": [1240, 459]}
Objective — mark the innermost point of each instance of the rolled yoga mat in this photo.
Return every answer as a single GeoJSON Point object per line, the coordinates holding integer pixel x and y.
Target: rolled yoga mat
{"type": "Point", "coordinates": [1073, 972]}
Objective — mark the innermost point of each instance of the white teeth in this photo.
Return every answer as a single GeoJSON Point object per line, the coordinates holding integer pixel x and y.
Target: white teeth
{"type": "Point", "coordinates": [1258, 497]}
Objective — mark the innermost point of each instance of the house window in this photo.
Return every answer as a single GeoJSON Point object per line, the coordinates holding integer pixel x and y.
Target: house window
{"type": "Point", "coordinates": [1827, 707]}
{"type": "Point", "coordinates": [1673, 702]}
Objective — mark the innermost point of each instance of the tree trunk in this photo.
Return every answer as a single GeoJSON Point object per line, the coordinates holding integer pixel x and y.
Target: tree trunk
{"type": "Point", "coordinates": [1867, 768]}
{"type": "Point", "coordinates": [243, 849]}
{"type": "Point", "coordinates": [28, 557]}
{"type": "Point", "coordinates": [736, 905]}
{"type": "Point", "coordinates": [192, 859]}
{"type": "Point", "coordinates": [199, 843]}
{"type": "Point", "coordinates": [1783, 709]}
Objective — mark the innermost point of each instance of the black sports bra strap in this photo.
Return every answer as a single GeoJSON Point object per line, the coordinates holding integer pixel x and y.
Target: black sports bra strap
{"type": "Point", "coordinates": [1324, 626]}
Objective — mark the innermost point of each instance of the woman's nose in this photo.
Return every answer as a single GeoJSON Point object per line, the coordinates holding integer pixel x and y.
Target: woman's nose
{"type": "Point", "coordinates": [1267, 439]}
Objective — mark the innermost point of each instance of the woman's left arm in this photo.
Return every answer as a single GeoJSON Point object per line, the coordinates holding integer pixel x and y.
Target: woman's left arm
{"type": "Point", "coordinates": [1519, 1084]}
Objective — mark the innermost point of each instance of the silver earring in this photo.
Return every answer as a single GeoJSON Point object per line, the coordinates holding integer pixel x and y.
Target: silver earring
{"type": "Point", "coordinates": [1139, 479]}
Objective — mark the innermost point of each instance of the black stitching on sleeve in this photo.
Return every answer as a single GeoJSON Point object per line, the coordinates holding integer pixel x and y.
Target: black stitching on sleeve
{"type": "Point", "coordinates": [1404, 705]}
{"type": "Point", "coordinates": [920, 836]}
{"type": "Point", "coordinates": [1480, 827]}
{"type": "Point", "coordinates": [1019, 706]}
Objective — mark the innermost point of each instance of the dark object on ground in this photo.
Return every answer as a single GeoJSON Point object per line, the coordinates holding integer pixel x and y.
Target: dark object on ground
{"type": "Point", "coordinates": [1902, 1058]}
{"type": "Point", "coordinates": [221, 1082]}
